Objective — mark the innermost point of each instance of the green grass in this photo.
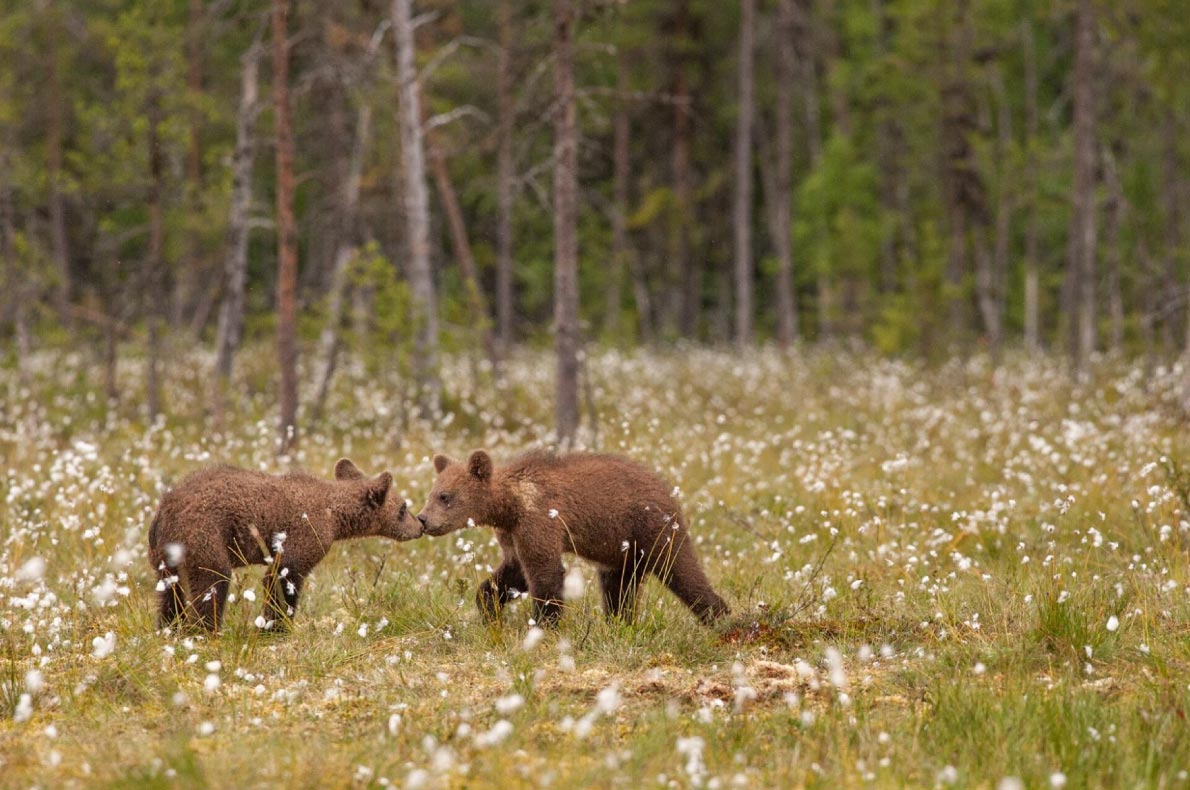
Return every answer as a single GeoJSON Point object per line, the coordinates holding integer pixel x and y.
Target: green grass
{"type": "Point", "coordinates": [922, 563]}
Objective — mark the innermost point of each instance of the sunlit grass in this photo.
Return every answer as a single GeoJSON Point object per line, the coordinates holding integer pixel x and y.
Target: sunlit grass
{"type": "Point", "coordinates": [939, 575]}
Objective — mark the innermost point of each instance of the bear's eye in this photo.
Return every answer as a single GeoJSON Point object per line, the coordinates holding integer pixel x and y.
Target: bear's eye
{"type": "Point", "coordinates": [444, 498]}
{"type": "Point", "coordinates": [402, 509]}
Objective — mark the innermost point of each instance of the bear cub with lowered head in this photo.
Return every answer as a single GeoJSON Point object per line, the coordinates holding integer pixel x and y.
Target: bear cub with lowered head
{"type": "Point", "coordinates": [608, 510]}
{"type": "Point", "coordinates": [222, 518]}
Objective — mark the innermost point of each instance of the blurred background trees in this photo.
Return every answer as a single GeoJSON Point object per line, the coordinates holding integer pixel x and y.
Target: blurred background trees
{"type": "Point", "coordinates": [921, 176]}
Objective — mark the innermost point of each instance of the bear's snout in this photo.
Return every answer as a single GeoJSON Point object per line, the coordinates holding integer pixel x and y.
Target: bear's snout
{"type": "Point", "coordinates": [422, 518]}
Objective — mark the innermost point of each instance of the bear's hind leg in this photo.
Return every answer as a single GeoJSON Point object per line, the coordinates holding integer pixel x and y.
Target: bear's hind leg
{"type": "Point", "coordinates": [171, 600]}
{"type": "Point", "coordinates": [208, 595]}
{"type": "Point", "coordinates": [684, 576]}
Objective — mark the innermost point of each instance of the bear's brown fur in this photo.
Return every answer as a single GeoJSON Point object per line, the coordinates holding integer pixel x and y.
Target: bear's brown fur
{"type": "Point", "coordinates": [222, 518]}
{"type": "Point", "coordinates": [604, 508]}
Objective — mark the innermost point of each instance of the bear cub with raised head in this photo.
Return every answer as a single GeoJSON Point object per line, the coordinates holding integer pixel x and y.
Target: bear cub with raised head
{"type": "Point", "coordinates": [222, 518]}
{"type": "Point", "coordinates": [607, 509]}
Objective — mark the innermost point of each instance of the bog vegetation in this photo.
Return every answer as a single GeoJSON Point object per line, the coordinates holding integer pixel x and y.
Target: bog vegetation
{"type": "Point", "coordinates": [949, 574]}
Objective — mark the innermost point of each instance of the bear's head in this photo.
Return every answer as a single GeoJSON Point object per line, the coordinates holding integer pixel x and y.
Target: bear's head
{"type": "Point", "coordinates": [462, 495]}
{"type": "Point", "coordinates": [383, 514]}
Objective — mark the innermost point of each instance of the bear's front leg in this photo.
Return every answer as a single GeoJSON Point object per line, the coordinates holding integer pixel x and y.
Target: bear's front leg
{"type": "Point", "coordinates": [504, 581]}
{"type": "Point", "coordinates": [539, 550]}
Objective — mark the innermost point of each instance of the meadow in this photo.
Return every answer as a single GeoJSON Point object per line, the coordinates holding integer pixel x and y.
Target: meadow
{"type": "Point", "coordinates": [941, 575]}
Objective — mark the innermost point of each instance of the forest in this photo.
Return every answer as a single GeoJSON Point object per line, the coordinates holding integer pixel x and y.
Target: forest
{"type": "Point", "coordinates": [920, 177]}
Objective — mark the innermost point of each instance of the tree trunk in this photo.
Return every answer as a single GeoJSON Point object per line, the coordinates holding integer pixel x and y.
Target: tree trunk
{"type": "Point", "coordinates": [193, 291]}
{"type": "Point", "coordinates": [1032, 279]}
{"type": "Point", "coordinates": [55, 131]}
{"type": "Point", "coordinates": [743, 177]}
{"type": "Point", "coordinates": [808, 71]}
{"type": "Point", "coordinates": [1171, 208]}
{"type": "Point", "coordinates": [1082, 224]}
{"type": "Point", "coordinates": [231, 312]}
{"type": "Point", "coordinates": [620, 263]}
{"type": "Point", "coordinates": [328, 341]}
{"type": "Point", "coordinates": [782, 212]}
{"type": "Point", "coordinates": [417, 214]}
{"type": "Point", "coordinates": [287, 263]}
{"type": "Point", "coordinates": [155, 265]}
{"type": "Point", "coordinates": [15, 282]}
{"type": "Point", "coordinates": [965, 197]}
{"type": "Point", "coordinates": [505, 173]}
{"type": "Point", "coordinates": [566, 301]}
{"type": "Point", "coordinates": [1115, 210]}
{"type": "Point", "coordinates": [462, 249]}
{"type": "Point", "coordinates": [990, 285]}
{"type": "Point", "coordinates": [686, 278]}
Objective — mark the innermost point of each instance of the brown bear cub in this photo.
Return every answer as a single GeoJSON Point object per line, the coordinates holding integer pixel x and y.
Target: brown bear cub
{"type": "Point", "coordinates": [606, 509]}
{"type": "Point", "coordinates": [222, 518]}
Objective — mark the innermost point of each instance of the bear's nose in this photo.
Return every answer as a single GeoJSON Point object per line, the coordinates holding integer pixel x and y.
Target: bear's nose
{"type": "Point", "coordinates": [422, 518]}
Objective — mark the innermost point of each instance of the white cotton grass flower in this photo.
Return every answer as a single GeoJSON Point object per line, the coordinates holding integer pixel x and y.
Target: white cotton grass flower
{"type": "Point", "coordinates": [394, 724]}
{"type": "Point", "coordinates": [31, 570]}
{"type": "Point", "coordinates": [1113, 623]}
{"type": "Point", "coordinates": [103, 646]}
{"type": "Point", "coordinates": [552, 512]}
{"type": "Point", "coordinates": [212, 683]}
{"type": "Point", "coordinates": [24, 709]}
{"type": "Point", "coordinates": [205, 729]}
{"type": "Point", "coordinates": [214, 666]}
{"type": "Point", "coordinates": [175, 554]}
{"type": "Point", "coordinates": [499, 731]}
{"type": "Point", "coordinates": [837, 672]}
{"type": "Point", "coordinates": [574, 585]}
{"type": "Point", "coordinates": [509, 704]}
{"type": "Point", "coordinates": [948, 775]}
{"type": "Point", "coordinates": [533, 638]}
{"type": "Point", "coordinates": [608, 699]}
{"type": "Point", "coordinates": [1010, 783]}
{"type": "Point", "coordinates": [1057, 780]}
{"type": "Point", "coordinates": [279, 540]}
{"type": "Point", "coordinates": [691, 748]}
{"type": "Point", "coordinates": [34, 681]}
{"type": "Point", "coordinates": [249, 595]}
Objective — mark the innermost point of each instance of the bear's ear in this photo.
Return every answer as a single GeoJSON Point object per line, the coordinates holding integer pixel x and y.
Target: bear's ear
{"type": "Point", "coordinates": [345, 470]}
{"type": "Point", "coordinates": [441, 462]}
{"type": "Point", "coordinates": [480, 465]}
{"type": "Point", "coordinates": [377, 490]}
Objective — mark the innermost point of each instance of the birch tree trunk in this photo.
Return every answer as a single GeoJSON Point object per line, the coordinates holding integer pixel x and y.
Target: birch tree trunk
{"type": "Point", "coordinates": [286, 231]}
{"type": "Point", "coordinates": [782, 200]}
{"type": "Point", "coordinates": [14, 281]}
{"type": "Point", "coordinates": [462, 250]}
{"type": "Point", "coordinates": [1082, 224]}
{"type": "Point", "coordinates": [155, 265]}
{"type": "Point", "coordinates": [686, 277]}
{"type": "Point", "coordinates": [743, 177]}
{"type": "Point", "coordinates": [566, 328]}
{"type": "Point", "coordinates": [1032, 279]}
{"type": "Point", "coordinates": [623, 261]}
{"type": "Point", "coordinates": [1115, 208]}
{"type": "Point", "coordinates": [231, 311]}
{"type": "Point", "coordinates": [505, 173]}
{"type": "Point", "coordinates": [329, 340]}
{"type": "Point", "coordinates": [55, 130]}
{"type": "Point", "coordinates": [417, 214]}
